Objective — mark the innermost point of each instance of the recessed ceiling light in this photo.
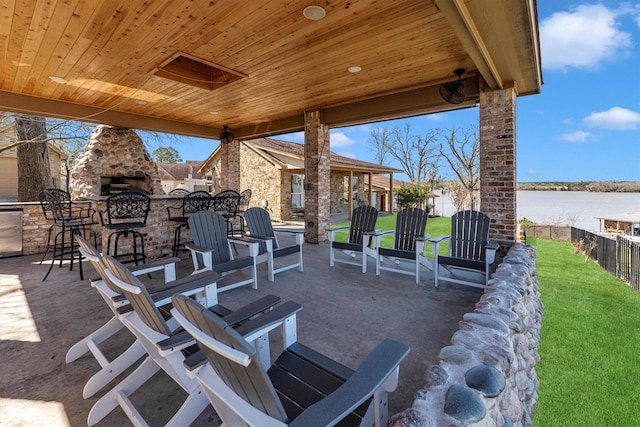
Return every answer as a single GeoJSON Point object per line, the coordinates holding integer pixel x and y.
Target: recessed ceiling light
{"type": "Point", "coordinates": [57, 79]}
{"type": "Point", "coordinates": [140, 102]}
{"type": "Point", "coordinates": [314, 13]}
{"type": "Point", "coordinates": [213, 112]}
{"type": "Point", "coordinates": [354, 69]}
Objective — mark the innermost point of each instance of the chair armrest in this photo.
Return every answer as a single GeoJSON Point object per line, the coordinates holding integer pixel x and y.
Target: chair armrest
{"type": "Point", "coordinates": [196, 248]}
{"type": "Point", "coordinates": [435, 244]}
{"type": "Point", "coordinates": [423, 238]}
{"type": "Point", "coordinates": [156, 265]}
{"type": "Point", "coordinates": [490, 250]}
{"type": "Point", "coordinates": [376, 368]}
{"type": "Point", "coordinates": [268, 321]}
{"type": "Point", "coordinates": [176, 342]}
{"type": "Point", "coordinates": [253, 308]}
{"type": "Point", "coordinates": [332, 231]}
{"type": "Point", "coordinates": [252, 244]}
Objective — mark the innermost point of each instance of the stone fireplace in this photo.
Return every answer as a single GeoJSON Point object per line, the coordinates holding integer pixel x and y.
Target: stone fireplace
{"type": "Point", "coordinates": [113, 160]}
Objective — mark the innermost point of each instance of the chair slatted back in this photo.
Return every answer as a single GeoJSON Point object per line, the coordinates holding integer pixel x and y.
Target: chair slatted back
{"type": "Point", "coordinates": [141, 302]}
{"type": "Point", "coordinates": [97, 262]}
{"type": "Point", "coordinates": [196, 202]}
{"type": "Point", "coordinates": [259, 224]}
{"type": "Point", "coordinates": [251, 383]}
{"type": "Point", "coordinates": [209, 230]}
{"type": "Point", "coordinates": [469, 234]}
{"type": "Point", "coordinates": [363, 219]}
{"type": "Point", "coordinates": [410, 223]}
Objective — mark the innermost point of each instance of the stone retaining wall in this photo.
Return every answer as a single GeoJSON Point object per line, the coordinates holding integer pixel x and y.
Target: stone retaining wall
{"type": "Point", "coordinates": [487, 376]}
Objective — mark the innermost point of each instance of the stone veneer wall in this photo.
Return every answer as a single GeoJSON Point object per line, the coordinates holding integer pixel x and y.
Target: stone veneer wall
{"type": "Point", "coordinates": [487, 376]}
{"type": "Point", "coordinates": [112, 151]}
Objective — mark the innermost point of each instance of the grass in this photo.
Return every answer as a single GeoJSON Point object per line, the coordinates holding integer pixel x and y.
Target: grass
{"type": "Point", "coordinates": [590, 343]}
{"type": "Point", "coordinates": [589, 367]}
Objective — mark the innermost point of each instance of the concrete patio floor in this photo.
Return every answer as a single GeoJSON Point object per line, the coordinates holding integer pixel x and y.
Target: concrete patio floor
{"type": "Point", "coordinates": [345, 314]}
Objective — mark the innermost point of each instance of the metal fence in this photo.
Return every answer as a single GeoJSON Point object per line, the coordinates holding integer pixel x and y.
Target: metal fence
{"type": "Point", "coordinates": [620, 255]}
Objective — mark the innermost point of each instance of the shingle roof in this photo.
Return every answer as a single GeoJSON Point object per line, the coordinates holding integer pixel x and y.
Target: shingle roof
{"type": "Point", "coordinates": [179, 171]}
{"type": "Point", "coordinates": [293, 149]}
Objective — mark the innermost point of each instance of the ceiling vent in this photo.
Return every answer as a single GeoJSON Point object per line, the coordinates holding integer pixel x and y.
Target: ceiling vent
{"type": "Point", "coordinates": [198, 73]}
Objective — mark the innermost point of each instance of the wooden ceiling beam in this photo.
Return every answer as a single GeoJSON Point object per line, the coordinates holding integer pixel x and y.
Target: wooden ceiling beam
{"type": "Point", "coordinates": [457, 14]}
{"type": "Point", "coordinates": [28, 104]}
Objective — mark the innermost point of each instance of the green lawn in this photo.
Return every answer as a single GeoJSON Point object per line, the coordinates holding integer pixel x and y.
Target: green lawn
{"type": "Point", "coordinates": [589, 368]}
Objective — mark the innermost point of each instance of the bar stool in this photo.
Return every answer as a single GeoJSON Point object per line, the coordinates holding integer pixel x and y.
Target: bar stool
{"type": "Point", "coordinates": [226, 203]}
{"type": "Point", "coordinates": [69, 219]}
{"type": "Point", "coordinates": [125, 212]}
{"type": "Point", "coordinates": [191, 203]}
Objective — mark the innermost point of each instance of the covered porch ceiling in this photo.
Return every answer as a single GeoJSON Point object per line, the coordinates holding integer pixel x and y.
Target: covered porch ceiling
{"type": "Point", "coordinates": [190, 67]}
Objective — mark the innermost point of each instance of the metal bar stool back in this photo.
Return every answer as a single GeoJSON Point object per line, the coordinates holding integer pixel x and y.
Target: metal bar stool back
{"type": "Point", "coordinates": [69, 219]}
{"type": "Point", "coordinates": [191, 203]}
{"type": "Point", "coordinates": [124, 214]}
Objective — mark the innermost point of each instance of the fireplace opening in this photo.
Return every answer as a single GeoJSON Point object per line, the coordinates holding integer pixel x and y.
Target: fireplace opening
{"type": "Point", "coordinates": [110, 185]}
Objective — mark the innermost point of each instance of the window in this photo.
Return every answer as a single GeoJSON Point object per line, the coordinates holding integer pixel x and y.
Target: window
{"type": "Point", "coordinates": [297, 191]}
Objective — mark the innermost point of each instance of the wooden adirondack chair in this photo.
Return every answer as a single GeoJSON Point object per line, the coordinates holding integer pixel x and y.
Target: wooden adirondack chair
{"type": "Point", "coordinates": [201, 286]}
{"type": "Point", "coordinates": [302, 387]}
{"type": "Point", "coordinates": [259, 225]}
{"type": "Point", "coordinates": [211, 248]}
{"type": "Point", "coordinates": [363, 223]}
{"type": "Point", "coordinates": [409, 242]}
{"type": "Point", "coordinates": [470, 252]}
{"type": "Point", "coordinates": [167, 348]}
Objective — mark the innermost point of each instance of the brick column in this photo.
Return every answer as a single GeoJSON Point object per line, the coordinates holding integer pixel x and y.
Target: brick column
{"type": "Point", "coordinates": [498, 162]}
{"type": "Point", "coordinates": [317, 199]}
{"type": "Point", "coordinates": [230, 166]}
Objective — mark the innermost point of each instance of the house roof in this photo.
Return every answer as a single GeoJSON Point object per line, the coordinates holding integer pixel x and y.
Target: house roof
{"type": "Point", "coordinates": [179, 171]}
{"type": "Point", "coordinates": [258, 65]}
{"type": "Point", "coordinates": [382, 182]}
{"type": "Point", "coordinates": [290, 155]}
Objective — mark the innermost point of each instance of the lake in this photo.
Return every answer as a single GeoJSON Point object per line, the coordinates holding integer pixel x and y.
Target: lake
{"type": "Point", "coordinates": [577, 208]}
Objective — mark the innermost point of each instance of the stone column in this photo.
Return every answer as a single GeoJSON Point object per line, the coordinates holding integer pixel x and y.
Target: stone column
{"type": "Point", "coordinates": [317, 204]}
{"type": "Point", "coordinates": [230, 166]}
{"type": "Point", "coordinates": [498, 162]}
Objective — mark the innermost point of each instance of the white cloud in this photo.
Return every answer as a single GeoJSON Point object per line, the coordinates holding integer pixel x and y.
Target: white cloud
{"type": "Point", "coordinates": [348, 154]}
{"type": "Point", "coordinates": [567, 121]}
{"type": "Point", "coordinates": [616, 118]}
{"type": "Point", "coordinates": [436, 117]}
{"type": "Point", "coordinates": [582, 38]}
{"type": "Point", "coordinates": [577, 136]}
{"type": "Point", "coordinates": [339, 139]}
{"type": "Point", "coordinates": [532, 172]}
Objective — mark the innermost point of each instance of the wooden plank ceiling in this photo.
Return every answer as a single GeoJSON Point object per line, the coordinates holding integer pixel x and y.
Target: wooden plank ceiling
{"type": "Point", "coordinates": [190, 67]}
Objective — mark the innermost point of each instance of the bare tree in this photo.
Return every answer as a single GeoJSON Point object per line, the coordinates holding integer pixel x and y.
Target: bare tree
{"type": "Point", "coordinates": [417, 154]}
{"type": "Point", "coordinates": [378, 144]}
{"type": "Point", "coordinates": [34, 173]}
{"type": "Point", "coordinates": [461, 150]}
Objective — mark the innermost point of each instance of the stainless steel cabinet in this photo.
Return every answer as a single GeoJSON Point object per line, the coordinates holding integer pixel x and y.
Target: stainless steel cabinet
{"type": "Point", "coordinates": [10, 232]}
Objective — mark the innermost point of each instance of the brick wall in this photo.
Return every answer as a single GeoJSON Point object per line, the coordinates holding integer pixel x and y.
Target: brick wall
{"type": "Point", "coordinates": [318, 176]}
{"type": "Point", "coordinates": [267, 182]}
{"type": "Point", "coordinates": [498, 162]}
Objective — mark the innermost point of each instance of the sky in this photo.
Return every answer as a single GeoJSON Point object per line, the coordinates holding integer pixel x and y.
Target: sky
{"type": "Point", "coordinates": [583, 126]}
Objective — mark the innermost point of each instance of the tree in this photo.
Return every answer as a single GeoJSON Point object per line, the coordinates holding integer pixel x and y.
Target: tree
{"type": "Point", "coordinates": [166, 155]}
{"type": "Point", "coordinates": [34, 173]}
{"type": "Point", "coordinates": [417, 154]}
{"type": "Point", "coordinates": [461, 150]}
{"type": "Point", "coordinates": [379, 143]}
{"type": "Point", "coordinates": [413, 195]}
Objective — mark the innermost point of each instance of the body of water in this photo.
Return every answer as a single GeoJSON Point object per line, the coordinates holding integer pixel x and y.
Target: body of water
{"type": "Point", "coordinates": [577, 208]}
